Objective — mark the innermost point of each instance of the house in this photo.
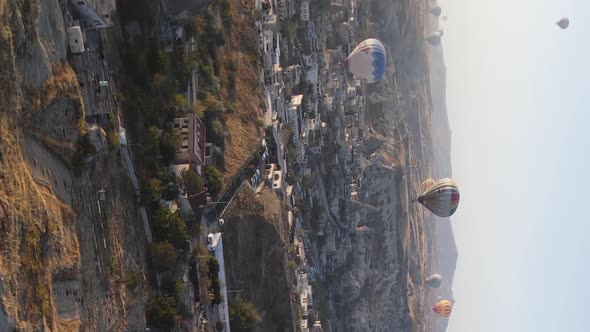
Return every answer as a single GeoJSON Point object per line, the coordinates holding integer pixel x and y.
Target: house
{"type": "Point", "coordinates": [191, 131]}
{"type": "Point", "coordinates": [90, 15]}
{"type": "Point", "coordinates": [304, 12]}
{"type": "Point", "coordinates": [75, 39]}
{"type": "Point", "coordinates": [294, 117]}
{"type": "Point", "coordinates": [290, 197]}
{"type": "Point", "coordinates": [277, 180]}
{"type": "Point", "coordinates": [292, 75]}
{"type": "Point", "coordinates": [317, 327]}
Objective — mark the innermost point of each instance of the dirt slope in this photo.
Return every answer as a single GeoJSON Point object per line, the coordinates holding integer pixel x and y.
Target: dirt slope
{"type": "Point", "coordinates": [53, 274]}
{"type": "Point", "coordinates": [256, 256]}
{"type": "Point", "coordinates": [242, 88]}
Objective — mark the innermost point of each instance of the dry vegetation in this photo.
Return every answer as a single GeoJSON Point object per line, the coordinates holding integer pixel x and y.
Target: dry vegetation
{"type": "Point", "coordinates": [38, 231]}
{"type": "Point", "coordinates": [241, 87]}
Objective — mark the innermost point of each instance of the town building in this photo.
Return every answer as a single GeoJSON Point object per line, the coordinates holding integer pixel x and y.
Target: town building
{"type": "Point", "coordinates": [304, 11]}
{"type": "Point", "coordinates": [75, 39]}
{"type": "Point", "coordinates": [192, 133]}
{"type": "Point", "coordinates": [90, 15]}
{"type": "Point", "coordinates": [215, 246]}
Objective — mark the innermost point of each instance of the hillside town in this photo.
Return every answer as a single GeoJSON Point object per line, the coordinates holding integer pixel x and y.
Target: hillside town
{"type": "Point", "coordinates": [310, 152]}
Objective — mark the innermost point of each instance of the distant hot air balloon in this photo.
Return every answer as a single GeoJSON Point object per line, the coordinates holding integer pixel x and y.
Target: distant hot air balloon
{"type": "Point", "coordinates": [367, 61]}
{"type": "Point", "coordinates": [434, 281]}
{"type": "Point", "coordinates": [436, 11]}
{"type": "Point", "coordinates": [442, 198]}
{"type": "Point", "coordinates": [563, 23]}
{"type": "Point", "coordinates": [435, 38]}
{"type": "Point", "coordinates": [443, 308]}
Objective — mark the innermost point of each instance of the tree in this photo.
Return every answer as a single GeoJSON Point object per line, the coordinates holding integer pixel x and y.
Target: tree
{"type": "Point", "coordinates": [230, 64]}
{"type": "Point", "coordinates": [289, 29]}
{"type": "Point", "coordinates": [219, 326]}
{"type": "Point", "coordinates": [214, 180]}
{"type": "Point", "coordinates": [197, 109]}
{"type": "Point", "coordinates": [244, 317]}
{"type": "Point", "coordinates": [158, 82]}
{"type": "Point", "coordinates": [152, 141]}
{"type": "Point", "coordinates": [113, 139]}
{"type": "Point", "coordinates": [158, 60]}
{"type": "Point", "coordinates": [162, 312]}
{"type": "Point", "coordinates": [213, 267]}
{"type": "Point", "coordinates": [151, 190]}
{"type": "Point", "coordinates": [163, 256]}
{"type": "Point", "coordinates": [198, 26]}
{"type": "Point", "coordinates": [217, 133]}
{"type": "Point", "coordinates": [178, 101]}
{"type": "Point", "coordinates": [173, 287]}
{"type": "Point", "coordinates": [170, 227]}
{"type": "Point", "coordinates": [168, 147]}
{"type": "Point", "coordinates": [191, 182]}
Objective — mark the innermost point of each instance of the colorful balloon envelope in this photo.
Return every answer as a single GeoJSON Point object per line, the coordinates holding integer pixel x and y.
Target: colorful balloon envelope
{"type": "Point", "coordinates": [442, 198]}
{"type": "Point", "coordinates": [426, 185]}
{"type": "Point", "coordinates": [443, 308]}
{"type": "Point", "coordinates": [367, 61]}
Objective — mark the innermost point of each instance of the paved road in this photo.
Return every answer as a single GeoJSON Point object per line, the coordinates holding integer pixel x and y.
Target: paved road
{"type": "Point", "coordinates": [133, 177]}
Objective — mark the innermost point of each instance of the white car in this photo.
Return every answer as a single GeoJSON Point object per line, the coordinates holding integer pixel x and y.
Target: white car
{"type": "Point", "coordinates": [221, 221]}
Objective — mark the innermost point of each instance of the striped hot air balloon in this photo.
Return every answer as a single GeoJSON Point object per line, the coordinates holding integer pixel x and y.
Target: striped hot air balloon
{"type": "Point", "coordinates": [443, 308]}
{"type": "Point", "coordinates": [442, 198]}
{"type": "Point", "coordinates": [367, 61]}
{"type": "Point", "coordinates": [426, 185]}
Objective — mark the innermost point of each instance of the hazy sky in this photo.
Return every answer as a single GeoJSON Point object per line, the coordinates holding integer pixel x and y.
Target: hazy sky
{"type": "Point", "coordinates": [517, 91]}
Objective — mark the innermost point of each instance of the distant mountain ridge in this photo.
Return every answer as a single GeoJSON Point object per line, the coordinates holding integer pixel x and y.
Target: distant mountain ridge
{"type": "Point", "coordinates": [446, 247]}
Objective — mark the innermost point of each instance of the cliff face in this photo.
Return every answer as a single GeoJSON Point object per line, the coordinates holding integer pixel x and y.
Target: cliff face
{"type": "Point", "coordinates": [53, 274]}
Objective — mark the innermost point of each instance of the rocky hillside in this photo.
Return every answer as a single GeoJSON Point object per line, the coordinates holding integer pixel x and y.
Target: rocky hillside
{"type": "Point", "coordinates": [53, 274]}
{"type": "Point", "coordinates": [255, 250]}
{"type": "Point", "coordinates": [378, 284]}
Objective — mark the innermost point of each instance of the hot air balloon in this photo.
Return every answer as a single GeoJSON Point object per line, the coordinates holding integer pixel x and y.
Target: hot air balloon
{"type": "Point", "coordinates": [443, 308]}
{"type": "Point", "coordinates": [367, 61]}
{"type": "Point", "coordinates": [435, 38]}
{"type": "Point", "coordinates": [434, 281]}
{"type": "Point", "coordinates": [436, 11]}
{"type": "Point", "coordinates": [563, 23]}
{"type": "Point", "coordinates": [442, 198]}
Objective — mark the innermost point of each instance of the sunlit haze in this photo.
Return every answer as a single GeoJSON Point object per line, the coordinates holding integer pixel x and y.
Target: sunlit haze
{"type": "Point", "coordinates": [516, 93]}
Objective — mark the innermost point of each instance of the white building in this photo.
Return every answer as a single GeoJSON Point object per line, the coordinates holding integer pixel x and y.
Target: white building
{"type": "Point", "coordinates": [294, 118]}
{"type": "Point", "coordinates": [292, 75]}
{"type": "Point", "coordinates": [277, 180]}
{"type": "Point", "coordinates": [215, 245]}
{"type": "Point", "coordinates": [75, 39]}
{"type": "Point", "coordinates": [304, 10]}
